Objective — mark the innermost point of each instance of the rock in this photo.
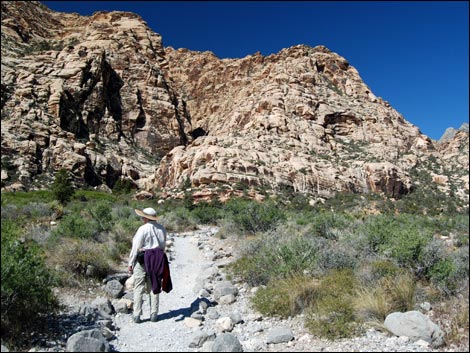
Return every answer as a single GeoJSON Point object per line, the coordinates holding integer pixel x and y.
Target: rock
{"type": "Point", "coordinates": [114, 288]}
{"type": "Point", "coordinates": [227, 299]}
{"type": "Point", "coordinates": [224, 288]}
{"type": "Point", "coordinates": [224, 324]}
{"type": "Point", "coordinates": [88, 341]}
{"type": "Point", "coordinates": [192, 322]}
{"type": "Point", "coordinates": [103, 307]}
{"type": "Point", "coordinates": [200, 337]}
{"type": "Point", "coordinates": [416, 326]}
{"type": "Point", "coordinates": [227, 342]}
{"type": "Point", "coordinates": [279, 335]}
{"type": "Point", "coordinates": [300, 111]}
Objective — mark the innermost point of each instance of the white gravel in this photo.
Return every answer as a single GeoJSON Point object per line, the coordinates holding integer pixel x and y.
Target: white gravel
{"type": "Point", "coordinates": [169, 333]}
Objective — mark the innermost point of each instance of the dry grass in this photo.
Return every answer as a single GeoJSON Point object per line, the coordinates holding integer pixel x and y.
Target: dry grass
{"type": "Point", "coordinates": [389, 294]}
{"type": "Point", "coordinates": [76, 259]}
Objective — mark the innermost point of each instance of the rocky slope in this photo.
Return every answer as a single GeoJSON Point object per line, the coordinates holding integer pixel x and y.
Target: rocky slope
{"type": "Point", "coordinates": [101, 97]}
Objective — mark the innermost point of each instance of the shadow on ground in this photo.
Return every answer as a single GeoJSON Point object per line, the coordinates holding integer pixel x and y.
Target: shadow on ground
{"type": "Point", "coordinates": [182, 313]}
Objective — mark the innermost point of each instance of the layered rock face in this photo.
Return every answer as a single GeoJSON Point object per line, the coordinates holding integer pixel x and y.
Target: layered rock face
{"type": "Point", "coordinates": [85, 93]}
{"type": "Point", "coordinates": [301, 119]}
{"type": "Point", "coordinates": [101, 97]}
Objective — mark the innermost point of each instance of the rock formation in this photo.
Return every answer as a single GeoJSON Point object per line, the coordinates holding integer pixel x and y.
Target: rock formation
{"type": "Point", "coordinates": [101, 97]}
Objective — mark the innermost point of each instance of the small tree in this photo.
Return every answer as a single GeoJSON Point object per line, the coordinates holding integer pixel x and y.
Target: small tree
{"type": "Point", "coordinates": [62, 186]}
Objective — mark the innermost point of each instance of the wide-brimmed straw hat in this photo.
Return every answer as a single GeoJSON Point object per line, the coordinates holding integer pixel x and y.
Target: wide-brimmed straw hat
{"type": "Point", "coordinates": [148, 213]}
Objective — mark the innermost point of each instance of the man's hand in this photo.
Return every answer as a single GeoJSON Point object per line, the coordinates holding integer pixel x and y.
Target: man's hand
{"type": "Point", "coordinates": [130, 269]}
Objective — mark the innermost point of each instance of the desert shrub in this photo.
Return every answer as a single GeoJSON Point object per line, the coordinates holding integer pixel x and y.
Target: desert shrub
{"type": "Point", "coordinates": [120, 212]}
{"type": "Point", "coordinates": [39, 232]}
{"type": "Point", "coordinates": [275, 256]}
{"type": "Point", "coordinates": [102, 214]}
{"type": "Point", "coordinates": [332, 315]}
{"type": "Point", "coordinates": [121, 235]}
{"type": "Point", "coordinates": [377, 231]}
{"type": "Point", "coordinates": [207, 213]}
{"type": "Point", "coordinates": [450, 273]}
{"type": "Point", "coordinates": [401, 238]}
{"type": "Point", "coordinates": [178, 219]}
{"type": "Point", "coordinates": [285, 298]}
{"type": "Point", "coordinates": [37, 211]}
{"type": "Point", "coordinates": [383, 268]}
{"type": "Point", "coordinates": [327, 224]}
{"type": "Point", "coordinates": [395, 291]}
{"type": "Point", "coordinates": [273, 301]}
{"type": "Point", "coordinates": [75, 259]}
{"type": "Point", "coordinates": [336, 256]}
{"type": "Point", "coordinates": [26, 283]}
{"type": "Point", "coordinates": [253, 217]}
{"type": "Point", "coordinates": [292, 257]}
{"type": "Point", "coordinates": [10, 211]}
{"type": "Point", "coordinates": [406, 247]}
{"type": "Point", "coordinates": [62, 187]}
{"type": "Point", "coordinates": [228, 228]}
{"type": "Point", "coordinates": [249, 270]}
{"type": "Point", "coordinates": [75, 226]}
{"type": "Point", "coordinates": [431, 254]}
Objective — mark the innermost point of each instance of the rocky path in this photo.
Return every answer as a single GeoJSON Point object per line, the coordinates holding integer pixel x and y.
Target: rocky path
{"type": "Point", "coordinates": [170, 332]}
{"type": "Point", "coordinates": [206, 312]}
{"type": "Point", "coordinates": [187, 324]}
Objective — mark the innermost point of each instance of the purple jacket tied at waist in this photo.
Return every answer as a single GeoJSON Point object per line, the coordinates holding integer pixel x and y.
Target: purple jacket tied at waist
{"type": "Point", "coordinates": [158, 269]}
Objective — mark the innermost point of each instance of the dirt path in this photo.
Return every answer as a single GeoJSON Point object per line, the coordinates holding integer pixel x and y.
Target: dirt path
{"type": "Point", "coordinates": [169, 334]}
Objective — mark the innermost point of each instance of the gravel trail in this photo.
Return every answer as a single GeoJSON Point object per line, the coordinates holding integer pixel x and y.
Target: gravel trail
{"type": "Point", "coordinates": [169, 333]}
{"type": "Point", "coordinates": [192, 256]}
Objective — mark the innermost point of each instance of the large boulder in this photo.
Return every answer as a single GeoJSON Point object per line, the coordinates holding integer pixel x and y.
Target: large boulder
{"type": "Point", "coordinates": [416, 326]}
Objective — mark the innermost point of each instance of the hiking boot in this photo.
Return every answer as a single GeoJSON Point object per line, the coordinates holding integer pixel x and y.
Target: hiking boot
{"type": "Point", "coordinates": [136, 319]}
{"type": "Point", "coordinates": [154, 317]}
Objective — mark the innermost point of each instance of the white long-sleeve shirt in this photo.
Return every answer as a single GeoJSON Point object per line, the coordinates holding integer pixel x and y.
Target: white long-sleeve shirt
{"type": "Point", "coordinates": [148, 236]}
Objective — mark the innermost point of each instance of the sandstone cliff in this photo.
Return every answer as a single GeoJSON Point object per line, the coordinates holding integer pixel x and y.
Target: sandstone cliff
{"type": "Point", "coordinates": [102, 97]}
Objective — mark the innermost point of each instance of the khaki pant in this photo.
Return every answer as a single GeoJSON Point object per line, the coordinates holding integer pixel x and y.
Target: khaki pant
{"type": "Point", "coordinates": [142, 284]}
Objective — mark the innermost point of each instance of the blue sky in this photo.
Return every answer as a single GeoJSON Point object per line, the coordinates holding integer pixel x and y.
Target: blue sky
{"type": "Point", "coordinates": [413, 54]}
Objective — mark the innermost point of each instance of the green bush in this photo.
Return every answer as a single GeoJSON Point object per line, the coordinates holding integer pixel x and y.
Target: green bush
{"type": "Point", "coordinates": [326, 224]}
{"type": "Point", "coordinates": [102, 214]}
{"type": "Point", "coordinates": [336, 256]}
{"type": "Point", "coordinates": [378, 230]}
{"type": "Point", "coordinates": [254, 217]}
{"type": "Point", "coordinates": [332, 316]}
{"type": "Point", "coordinates": [75, 226]}
{"type": "Point", "coordinates": [287, 297]}
{"type": "Point", "coordinates": [442, 274]}
{"type": "Point", "coordinates": [123, 186]}
{"type": "Point", "coordinates": [207, 213]}
{"type": "Point", "coordinates": [178, 219]}
{"type": "Point", "coordinates": [406, 247]}
{"type": "Point", "coordinates": [26, 283]}
{"type": "Point", "coordinates": [275, 256]}
{"type": "Point", "coordinates": [273, 301]}
{"type": "Point", "coordinates": [62, 187]}
{"type": "Point", "coordinates": [75, 259]}
{"type": "Point", "coordinates": [250, 269]}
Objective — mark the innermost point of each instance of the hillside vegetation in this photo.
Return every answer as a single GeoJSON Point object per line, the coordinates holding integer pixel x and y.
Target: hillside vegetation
{"type": "Point", "coordinates": [344, 263]}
